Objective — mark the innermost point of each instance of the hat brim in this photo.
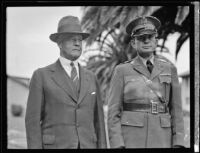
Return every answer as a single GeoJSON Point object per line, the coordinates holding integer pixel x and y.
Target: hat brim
{"type": "Point", "coordinates": [55, 36]}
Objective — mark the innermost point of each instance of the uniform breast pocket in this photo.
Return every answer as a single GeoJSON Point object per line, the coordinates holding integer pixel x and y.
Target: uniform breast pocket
{"type": "Point", "coordinates": [165, 78]}
{"type": "Point", "coordinates": [134, 87]}
{"type": "Point", "coordinates": [131, 80]}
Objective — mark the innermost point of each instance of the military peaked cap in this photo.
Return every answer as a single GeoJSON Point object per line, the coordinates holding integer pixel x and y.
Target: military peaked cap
{"type": "Point", "coordinates": [143, 25]}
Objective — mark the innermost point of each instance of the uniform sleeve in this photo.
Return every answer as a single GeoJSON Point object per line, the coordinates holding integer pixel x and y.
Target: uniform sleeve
{"type": "Point", "coordinates": [114, 110]}
{"type": "Point", "coordinates": [176, 111]}
{"type": "Point", "coordinates": [33, 112]}
{"type": "Point", "coordinates": [99, 119]}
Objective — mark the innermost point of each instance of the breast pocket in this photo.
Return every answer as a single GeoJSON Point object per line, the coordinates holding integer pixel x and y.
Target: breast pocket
{"type": "Point", "coordinates": [131, 79]}
{"type": "Point", "coordinates": [165, 78]}
{"type": "Point", "coordinates": [133, 87]}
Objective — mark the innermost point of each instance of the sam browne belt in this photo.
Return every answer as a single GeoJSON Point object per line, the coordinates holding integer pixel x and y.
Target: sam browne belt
{"type": "Point", "coordinates": [153, 107]}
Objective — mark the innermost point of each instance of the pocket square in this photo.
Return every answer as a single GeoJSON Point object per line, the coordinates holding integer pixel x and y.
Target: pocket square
{"type": "Point", "coordinates": [93, 93]}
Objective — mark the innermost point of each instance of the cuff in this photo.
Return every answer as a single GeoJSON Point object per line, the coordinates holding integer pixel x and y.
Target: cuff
{"type": "Point", "coordinates": [178, 140]}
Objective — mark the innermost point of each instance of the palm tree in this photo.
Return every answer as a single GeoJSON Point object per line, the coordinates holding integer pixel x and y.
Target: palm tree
{"type": "Point", "coordinates": [107, 27]}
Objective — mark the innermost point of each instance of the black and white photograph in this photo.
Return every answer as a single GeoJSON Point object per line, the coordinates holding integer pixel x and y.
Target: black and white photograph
{"type": "Point", "coordinates": [102, 77]}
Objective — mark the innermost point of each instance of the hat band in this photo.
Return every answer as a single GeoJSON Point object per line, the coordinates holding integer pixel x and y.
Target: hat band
{"type": "Point", "coordinates": [70, 28]}
{"type": "Point", "coordinates": [140, 28]}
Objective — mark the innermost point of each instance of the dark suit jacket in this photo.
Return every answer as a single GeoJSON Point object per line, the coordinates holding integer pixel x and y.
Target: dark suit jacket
{"type": "Point", "coordinates": [56, 118]}
{"type": "Point", "coordinates": [137, 129]}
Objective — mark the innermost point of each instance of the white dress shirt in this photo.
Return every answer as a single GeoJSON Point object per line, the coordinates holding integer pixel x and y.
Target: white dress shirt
{"type": "Point", "coordinates": [144, 60]}
{"type": "Point", "coordinates": [67, 67]}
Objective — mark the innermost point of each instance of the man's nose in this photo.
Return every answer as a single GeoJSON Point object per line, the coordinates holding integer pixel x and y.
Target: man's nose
{"type": "Point", "coordinates": [77, 42]}
{"type": "Point", "coordinates": [146, 39]}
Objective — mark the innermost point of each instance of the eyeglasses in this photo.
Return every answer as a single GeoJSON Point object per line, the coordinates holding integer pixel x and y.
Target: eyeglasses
{"type": "Point", "coordinates": [142, 38]}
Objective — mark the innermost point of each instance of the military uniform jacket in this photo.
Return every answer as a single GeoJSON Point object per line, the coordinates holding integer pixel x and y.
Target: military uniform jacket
{"type": "Point", "coordinates": [141, 129]}
{"type": "Point", "coordinates": [56, 118]}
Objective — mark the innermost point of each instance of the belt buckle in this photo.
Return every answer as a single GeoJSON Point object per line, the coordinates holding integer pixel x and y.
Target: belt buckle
{"type": "Point", "coordinates": [154, 107]}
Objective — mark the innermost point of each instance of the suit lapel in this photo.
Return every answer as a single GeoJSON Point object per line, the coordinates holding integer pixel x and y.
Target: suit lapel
{"type": "Point", "coordinates": [140, 67]}
{"type": "Point", "coordinates": [156, 70]}
{"type": "Point", "coordinates": [84, 84]}
{"type": "Point", "coordinates": [63, 80]}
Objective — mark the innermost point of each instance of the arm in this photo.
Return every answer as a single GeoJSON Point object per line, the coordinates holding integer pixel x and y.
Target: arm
{"type": "Point", "coordinates": [33, 113]}
{"type": "Point", "coordinates": [114, 110]}
{"type": "Point", "coordinates": [176, 111]}
{"type": "Point", "coordinates": [99, 119]}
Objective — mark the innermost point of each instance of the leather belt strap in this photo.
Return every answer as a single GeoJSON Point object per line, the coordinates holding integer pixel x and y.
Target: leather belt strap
{"type": "Point", "coordinates": [154, 107]}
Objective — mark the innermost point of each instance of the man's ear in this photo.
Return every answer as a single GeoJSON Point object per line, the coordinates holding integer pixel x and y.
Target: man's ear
{"type": "Point", "coordinates": [133, 43]}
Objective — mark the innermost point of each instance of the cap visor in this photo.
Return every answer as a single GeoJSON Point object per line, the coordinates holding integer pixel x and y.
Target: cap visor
{"type": "Point", "coordinates": [145, 32]}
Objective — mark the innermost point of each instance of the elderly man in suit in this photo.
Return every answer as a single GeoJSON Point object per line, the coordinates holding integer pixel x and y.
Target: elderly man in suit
{"type": "Point", "coordinates": [64, 108]}
{"type": "Point", "coordinates": [144, 106]}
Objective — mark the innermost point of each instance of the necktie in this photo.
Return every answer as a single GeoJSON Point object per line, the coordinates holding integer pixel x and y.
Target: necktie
{"type": "Point", "coordinates": [149, 66]}
{"type": "Point", "coordinates": [74, 75]}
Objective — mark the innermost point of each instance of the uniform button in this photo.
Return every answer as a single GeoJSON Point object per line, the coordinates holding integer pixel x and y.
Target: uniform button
{"type": "Point", "coordinates": [77, 124]}
{"type": "Point", "coordinates": [151, 91]}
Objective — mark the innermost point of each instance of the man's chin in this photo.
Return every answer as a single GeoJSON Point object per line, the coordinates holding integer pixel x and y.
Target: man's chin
{"type": "Point", "coordinates": [74, 58]}
{"type": "Point", "coordinates": [146, 53]}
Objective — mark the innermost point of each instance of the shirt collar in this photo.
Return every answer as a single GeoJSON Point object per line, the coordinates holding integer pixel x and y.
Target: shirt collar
{"type": "Point", "coordinates": [144, 60]}
{"type": "Point", "coordinates": [66, 62]}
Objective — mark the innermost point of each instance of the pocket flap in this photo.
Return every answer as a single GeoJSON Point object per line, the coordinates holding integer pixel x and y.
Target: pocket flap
{"type": "Point", "coordinates": [165, 121]}
{"type": "Point", "coordinates": [165, 78]}
{"type": "Point", "coordinates": [132, 119]}
{"type": "Point", "coordinates": [48, 139]}
{"type": "Point", "coordinates": [129, 79]}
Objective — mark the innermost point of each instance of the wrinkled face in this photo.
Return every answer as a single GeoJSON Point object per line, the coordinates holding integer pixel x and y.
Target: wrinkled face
{"type": "Point", "coordinates": [71, 46]}
{"type": "Point", "coordinates": [145, 44]}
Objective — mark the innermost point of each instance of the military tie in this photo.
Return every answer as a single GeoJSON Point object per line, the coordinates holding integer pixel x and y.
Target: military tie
{"type": "Point", "coordinates": [74, 75]}
{"type": "Point", "coordinates": [149, 66]}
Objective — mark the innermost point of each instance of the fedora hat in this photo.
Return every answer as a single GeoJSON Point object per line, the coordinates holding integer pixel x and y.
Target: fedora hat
{"type": "Point", "coordinates": [143, 25]}
{"type": "Point", "coordinates": [68, 25]}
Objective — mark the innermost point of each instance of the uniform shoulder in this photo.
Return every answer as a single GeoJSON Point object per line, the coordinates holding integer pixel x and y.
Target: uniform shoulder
{"type": "Point", "coordinates": [163, 59]}
{"type": "Point", "coordinates": [124, 64]}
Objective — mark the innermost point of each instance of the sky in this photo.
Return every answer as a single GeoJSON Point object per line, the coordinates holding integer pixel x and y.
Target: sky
{"type": "Point", "coordinates": [28, 46]}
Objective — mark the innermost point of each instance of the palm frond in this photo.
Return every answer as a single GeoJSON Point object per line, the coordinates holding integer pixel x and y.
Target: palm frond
{"type": "Point", "coordinates": [183, 12]}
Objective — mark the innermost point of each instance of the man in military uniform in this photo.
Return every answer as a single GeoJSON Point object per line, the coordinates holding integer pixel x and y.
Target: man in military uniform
{"type": "Point", "coordinates": [144, 105]}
